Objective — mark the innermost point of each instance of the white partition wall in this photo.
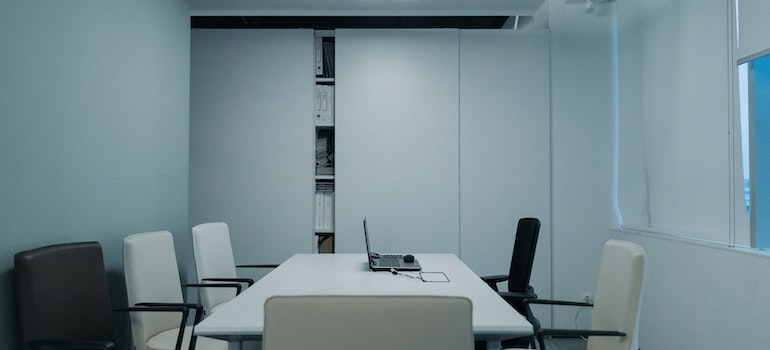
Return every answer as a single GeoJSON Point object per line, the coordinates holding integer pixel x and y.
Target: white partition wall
{"type": "Point", "coordinates": [251, 139]}
{"type": "Point", "coordinates": [504, 147]}
{"type": "Point", "coordinates": [397, 140]}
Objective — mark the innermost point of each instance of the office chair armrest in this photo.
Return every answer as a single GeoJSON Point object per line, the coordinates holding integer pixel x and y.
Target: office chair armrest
{"type": "Point", "coordinates": [518, 295]}
{"type": "Point", "coordinates": [569, 333]}
{"type": "Point", "coordinates": [237, 286]}
{"type": "Point", "coordinates": [157, 307]}
{"type": "Point", "coordinates": [82, 344]}
{"type": "Point", "coordinates": [557, 302]}
{"type": "Point", "coordinates": [249, 281]}
{"type": "Point", "coordinates": [493, 280]}
{"type": "Point", "coordinates": [577, 333]}
{"type": "Point", "coordinates": [182, 308]}
{"type": "Point", "coordinates": [187, 306]}
{"type": "Point", "coordinates": [267, 266]}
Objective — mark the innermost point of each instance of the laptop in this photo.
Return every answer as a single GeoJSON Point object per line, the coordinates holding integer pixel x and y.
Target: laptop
{"type": "Point", "coordinates": [382, 262]}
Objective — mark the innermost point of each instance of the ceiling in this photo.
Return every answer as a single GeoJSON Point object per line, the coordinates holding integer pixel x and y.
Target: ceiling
{"type": "Point", "coordinates": [564, 17]}
{"type": "Point", "coordinates": [331, 14]}
{"type": "Point", "coordinates": [334, 22]}
{"type": "Point", "coordinates": [365, 7]}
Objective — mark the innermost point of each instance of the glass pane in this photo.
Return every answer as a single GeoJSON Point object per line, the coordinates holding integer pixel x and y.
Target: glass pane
{"type": "Point", "coordinates": [760, 101]}
{"type": "Point", "coordinates": [743, 78]}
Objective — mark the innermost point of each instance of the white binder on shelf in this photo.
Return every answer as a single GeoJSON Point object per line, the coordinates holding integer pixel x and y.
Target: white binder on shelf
{"type": "Point", "coordinates": [324, 105]}
{"type": "Point", "coordinates": [319, 211]}
{"type": "Point", "coordinates": [318, 103]}
{"type": "Point", "coordinates": [329, 211]}
{"type": "Point", "coordinates": [330, 105]}
{"type": "Point", "coordinates": [324, 207]}
{"type": "Point", "coordinates": [319, 65]}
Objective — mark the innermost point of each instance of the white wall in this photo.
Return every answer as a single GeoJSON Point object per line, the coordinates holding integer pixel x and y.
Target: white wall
{"type": "Point", "coordinates": [491, 171]}
{"type": "Point", "coordinates": [417, 157]}
{"type": "Point", "coordinates": [582, 134]}
{"type": "Point", "coordinates": [397, 140]}
{"type": "Point", "coordinates": [505, 142]}
{"type": "Point", "coordinates": [700, 297]}
{"type": "Point", "coordinates": [94, 101]}
{"type": "Point", "coordinates": [582, 151]}
{"type": "Point", "coordinates": [251, 140]}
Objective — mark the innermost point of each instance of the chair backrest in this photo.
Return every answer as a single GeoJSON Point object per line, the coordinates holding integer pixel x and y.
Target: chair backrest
{"type": "Point", "coordinates": [151, 275]}
{"type": "Point", "coordinates": [213, 259]}
{"type": "Point", "coordinates": [62, 293]}
{"type": "Point", "coordinates": [368, 322]}
{"type": "Point", "coordinates": [523, 258]}
{"type": "Point", "coordinates": [618, 295]}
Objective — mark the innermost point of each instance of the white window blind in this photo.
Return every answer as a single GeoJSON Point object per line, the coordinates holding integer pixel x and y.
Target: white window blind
{"type": "Point", "coordinates": [753, 39]}
{"type": "Point", "coordinates": [674, 144]}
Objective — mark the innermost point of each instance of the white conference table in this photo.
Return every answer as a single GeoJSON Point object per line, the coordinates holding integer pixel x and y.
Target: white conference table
{"type": "Point", "coordinates": [348, 274]}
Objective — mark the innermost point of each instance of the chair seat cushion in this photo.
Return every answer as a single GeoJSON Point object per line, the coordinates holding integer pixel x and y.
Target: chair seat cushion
{"type": "Point", "coordinates": [167, 340]}
{"type": "Point", "coordinates": [217, 307]}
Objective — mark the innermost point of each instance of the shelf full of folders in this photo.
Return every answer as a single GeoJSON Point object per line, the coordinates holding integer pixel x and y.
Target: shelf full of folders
{"type": "Point", "coordinates": [324, 77]}
{"type": "Point", "coordinates": [324, 154]}
{"type": "Point", "coordinates": [324, 207]}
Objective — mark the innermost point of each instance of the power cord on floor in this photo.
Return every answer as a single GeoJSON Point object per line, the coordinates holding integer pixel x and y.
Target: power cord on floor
{"type": "Point", "coordinates": [577, 314]}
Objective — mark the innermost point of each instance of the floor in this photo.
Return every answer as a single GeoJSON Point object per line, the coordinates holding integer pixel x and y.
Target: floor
{"type": "Point", "coordinates": [558, 344]}
{"type": "Point", "coordinates": [566, 344]}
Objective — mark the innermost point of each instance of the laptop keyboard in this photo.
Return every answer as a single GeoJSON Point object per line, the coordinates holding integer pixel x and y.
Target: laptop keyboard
{"type": "Point", "coordinates": [389, 261]}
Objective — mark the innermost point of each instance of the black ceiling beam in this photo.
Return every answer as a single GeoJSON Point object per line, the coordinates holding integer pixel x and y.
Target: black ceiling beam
{"type": "Point", "coordinates": [334, 22]}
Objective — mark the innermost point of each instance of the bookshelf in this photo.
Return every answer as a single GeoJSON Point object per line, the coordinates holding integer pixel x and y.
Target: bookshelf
{"type": "Point", "coordinates": [324, 141]}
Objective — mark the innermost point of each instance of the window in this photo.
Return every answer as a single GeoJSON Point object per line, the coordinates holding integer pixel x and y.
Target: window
{"type": "Point", "coordinates": [679, 151]}
{"type": "Point", "coordinates": [754, 82]}
{"type": "Point", "coordinates": [694, 128]}
{"type": "Point", "coordinates": [674, 155]}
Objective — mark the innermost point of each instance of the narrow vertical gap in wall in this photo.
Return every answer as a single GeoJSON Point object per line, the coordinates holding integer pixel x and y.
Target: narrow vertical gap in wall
{"type": "Point", "coordinates": [550, 175]}
{"type": "Point", "coordinates": [459, 151]}
{"type": "Point", "coordinates": [731, 112]}
{"type": "Point", "coordinates": [616, 83]}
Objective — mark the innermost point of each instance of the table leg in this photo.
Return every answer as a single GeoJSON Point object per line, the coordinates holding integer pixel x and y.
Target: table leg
{"type": "Point", "coordinates": [244, 344]}
{"type": "Point", "coordinates": [494, 345]}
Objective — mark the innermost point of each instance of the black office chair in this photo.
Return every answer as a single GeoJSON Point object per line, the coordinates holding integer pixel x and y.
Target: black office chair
{"type": "Point", "coordinates": [63, 299]}
{"type": "Point", "coordinates": [519, 273]}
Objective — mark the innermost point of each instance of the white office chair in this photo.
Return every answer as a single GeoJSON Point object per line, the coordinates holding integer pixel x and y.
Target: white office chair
{"type": "Point", "coordinates": [152, 276]}
{"type": "Point", "coordinates": [618, 298]}
{"type": "Point", "coordinates": [214, 262]}
{"type": "Point", "coordinates": [368, 322]}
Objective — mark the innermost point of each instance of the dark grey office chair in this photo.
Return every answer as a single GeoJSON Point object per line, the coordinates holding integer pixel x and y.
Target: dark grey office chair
{"type": "Point", "coordinates": [520, 270]}
{"type": "Point", "coordinates": [64, 301]}
{"type": "Point", "coordinates": [63, 298]}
